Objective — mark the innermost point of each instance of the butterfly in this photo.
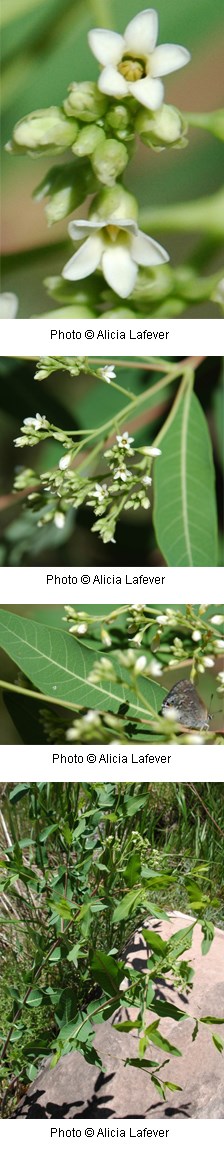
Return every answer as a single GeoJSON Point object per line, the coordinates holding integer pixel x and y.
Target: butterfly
{"type": "Point", "coordinates": [192, 712]}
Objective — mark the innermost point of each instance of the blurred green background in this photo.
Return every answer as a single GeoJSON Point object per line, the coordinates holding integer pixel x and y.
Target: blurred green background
{"type": "Point", "coordinates": [44, 49]}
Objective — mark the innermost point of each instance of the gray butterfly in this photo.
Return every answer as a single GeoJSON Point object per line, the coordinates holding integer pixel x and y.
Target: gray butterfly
{"type": "Point", "coordinates": [192, 712]}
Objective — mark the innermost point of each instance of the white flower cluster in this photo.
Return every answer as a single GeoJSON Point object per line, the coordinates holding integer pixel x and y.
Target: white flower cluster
{"type": "Point", "coordinates": [128, 488]}
{"type": "Point", "coordinates": [31, 430]}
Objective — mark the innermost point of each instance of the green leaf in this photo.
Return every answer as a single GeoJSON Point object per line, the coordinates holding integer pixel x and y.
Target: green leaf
{"type": "Point", "coordinates": [154, 1036]}
{"type": "Point", "coordinates": [74, 953]}
{"type": "Point", "coordinates": [184, 487]}
{"type": "Point", "coordinates": [167, 1010]}
{"type": "Point", "coordinates": [128, 1025]}
{"type": "Point", "coordinates": [48, 830]}
{"type": "Point", "coordinates": [210, 1019]}
{"type": "Point", "coordinates": [195, 1031]}
{"type": "Point", "coordinates": [172, 1086]}
{"type": "Point", "coordinates": [219, 1043]}
{"type": "Point", "coordinates": [208, 935]}
{"type": "Point", "coordinates": [35, 998]}
{"type": "Point", "coordinates": [59, 667]}
{"type": "Point", "coordinates": [157, 944]}
{"type": "Point", "coordinates": [179, 942]}
{"type": "Point", "coordinates": [142, 1064]}
{"type": "Point", "coordinates": [107, 972]}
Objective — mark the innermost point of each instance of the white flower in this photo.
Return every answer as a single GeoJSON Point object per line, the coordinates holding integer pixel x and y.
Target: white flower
{"type": "Point", "coordinates": [207, 662]}
{"type": "Point", "coordinates": [194, 740]}
{"type": "Point", "coordinates": [147, 480]}
{"type": "Point", "coordinates": [8, 305]}
{"type": "Point", "coordinates": [154, 668]}
{"type": "Point", "coordinates": [217, 619]}
{"type": "Point", "coordinates": [140, 664]}
{"type": "Point", "coordinates": [196, 636]}
{"type": "Point", "coordinates": [131, 64]}
{"type": "Point", "coordinates": [219, 645]}
{"type": "Point", "coordinates": [37, 422]}
{"type": "Point", "coordinates": [59, 519]}
{"type": "Point", "coordinates": [99, 492]}
{"type": "Point", "coordinates": [82, 629]}
{"type": "Point", "coordinates": [64, 461]}
{"type": "Point", "coordinates": [122, 474]}
{"type": "Point", "coordinates": [117, 247]}
{"type": "Point", "coordinates": [107, 373]}
{"type": "Point", "coordinates": [124, 441]}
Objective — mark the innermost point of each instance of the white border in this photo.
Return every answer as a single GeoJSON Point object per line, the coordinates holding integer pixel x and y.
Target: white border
{"type": "Point", "coordinates": [32, 338]}
{"type": "Point", "coordinates": [49, 585]}
{"type": "Point", "coordinates": [75, 763]}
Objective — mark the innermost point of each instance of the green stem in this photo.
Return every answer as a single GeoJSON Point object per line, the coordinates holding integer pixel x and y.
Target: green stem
{"type": "Point", "coordinates": [35, 694]}
{"type": "Point", "coordinates": [203, 215]}
{"type": "Point", "coordinates": [187, 383]}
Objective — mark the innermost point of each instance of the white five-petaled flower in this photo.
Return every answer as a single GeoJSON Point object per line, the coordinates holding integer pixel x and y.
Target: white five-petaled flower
{"type": "Point", "coordinates": [37, 422]}
{"type": "Point", "coordinates": [124, 441]}
{"type": "Point", "coordinates": [122, 474]}
{"type": "Point", "coordinates": [107, 373]}
{"type": "Point", "coordinates": [131, 64]}
{"type": "Point", "coordinates": [99, 492]}
{"type": "Point", "coordinates": [117, 247]}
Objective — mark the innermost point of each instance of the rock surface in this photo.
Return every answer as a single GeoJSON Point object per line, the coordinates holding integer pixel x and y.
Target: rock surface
{"type": "Point", "coordinates": [74, 1089]}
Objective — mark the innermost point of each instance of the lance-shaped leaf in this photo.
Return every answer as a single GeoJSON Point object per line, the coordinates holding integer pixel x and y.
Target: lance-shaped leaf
{"type": "Point", "coordinates": [60, 667]}
{"type": "Point", "coordinates": [184, 489]}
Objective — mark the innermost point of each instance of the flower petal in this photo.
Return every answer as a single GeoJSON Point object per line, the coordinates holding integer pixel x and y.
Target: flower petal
{"type": "Point", "coordinates": [106, 45]}
{"type": "Point", "coordinates": [146, 251]}
{"type": "Point", "coordinates": [85, 261]}
{"type": "Point", "coordinates": [148, 91]}
{"type": "Point", "coordinates": [167, 58]}
{"type": "Point", "coordinates": [112, 82]}
{"type": "Point", "coordinates": [119, 269]}
{"type": "Point", "coordinates": [141, 33]}
{"type": "Point", "coordinates": [79, 229]}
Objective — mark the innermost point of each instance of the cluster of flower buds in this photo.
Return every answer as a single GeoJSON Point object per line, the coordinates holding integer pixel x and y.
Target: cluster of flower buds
{"type": "Point", "coordinates": [74, 366]}
{"type": "Point", "coordinates": [99, 121]}
{"type": "Point", "coordinates": [63, 487]}
{"type": "Point", "coordinates": [96, 727]}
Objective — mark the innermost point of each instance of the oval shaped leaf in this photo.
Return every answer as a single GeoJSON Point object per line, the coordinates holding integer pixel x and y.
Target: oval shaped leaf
{"type": "Point", "coordinates": [60, 667]}
{"type": "Point", "coordinates": [184, 489]}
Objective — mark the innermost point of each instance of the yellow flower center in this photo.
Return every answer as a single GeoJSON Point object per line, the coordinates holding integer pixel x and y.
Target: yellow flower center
{"type": "Point", "coordinates": [131, 69]}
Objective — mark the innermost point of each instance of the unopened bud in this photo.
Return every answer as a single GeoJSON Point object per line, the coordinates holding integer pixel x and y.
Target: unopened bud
{"type": "Point", "coordinates": [45, 131]}
{"type": "Point", "coordinates": [162, 129]}
{"type": "Point", "coordinates": [114, 204]}
{"type": "Point", "coordinates": [85, 101]}
{"type": "Point", "coordinates": [66, 186]}
{"type": "Point", "coordinates": [108, 161]}
{"type": "Point", "coordinates": [88, 140]}
{"type": "Point", "coordinates": [118, 119]}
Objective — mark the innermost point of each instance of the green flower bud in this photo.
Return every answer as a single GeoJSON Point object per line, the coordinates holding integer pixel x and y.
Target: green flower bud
{"type": "Point", "coordinates": [124, 313]}
{"type": "Point", "coordinates": [45, 131]}
{"type": "Point", "coordinates": [85, 101]}
{"type": "Point", "coordinates": [70, 294]}
{"type": "Point", "coordinates": [109, 160]}
{"type": "Point", "coordinates": [67, 186]}
{"type": "Point", "coordinates": [118, 119]}
{"type": "Point", "coordinates": [88, 139]}
{"type": "Point", "coordinates": [162, 129]}
{"type": "Point", "coordinates": [72, 311]}
{"type": "Point", "coordinates": [114, 203]}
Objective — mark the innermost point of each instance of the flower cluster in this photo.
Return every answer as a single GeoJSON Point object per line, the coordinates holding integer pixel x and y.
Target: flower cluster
{"type": "Point", "coordinates": [96, 727]}
{"type": "Point", "coordinates": [99, 121]}
{"type": "Point", "coordinates": [74, 366]}
{"type": "Point", "coordinates": [56, 491]}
